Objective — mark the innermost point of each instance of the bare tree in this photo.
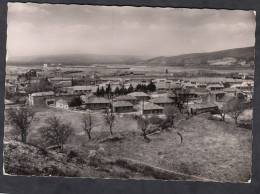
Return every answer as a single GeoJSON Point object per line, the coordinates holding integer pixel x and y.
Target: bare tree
{"type": "Point", "coordinates": [110, 119]}
{"type": "Point", "coordinates": [55, 132]}
{"type": "Point", "coordinates": [235, 107]}
{"type": "Point", "coordinates": [21, 119]}
{"type": "Point", "coordinates": [182, 98]}
{"type": "Point", "coordinates": [143, 124]}
{"type": "Point", "coordinates": [171, 113]}
{"type": "Point", "coordinates": [87, 121]}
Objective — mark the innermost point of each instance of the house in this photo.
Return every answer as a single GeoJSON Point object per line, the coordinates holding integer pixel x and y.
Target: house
{"type": "Point", "coordinates": [151, 108]}
{"type": "Point", "coordinates": [215, 87]}
{"type": "Point", "coordinates": [10, 88]}
{"type": "Point", "coordinates": [217, 96]}
{"type": "Point", "coordinates": [172, 96]}
{"type": "Point", "coordinates": [122, 106]}
{"type": "Point", "coordinates": [140, 96]}
{"type": "Point", "coordinates": [79, 89]}
{"type": "Point", "coordinates": [9, 102]}
{"type": "Point", "coordinates": [42, 98]}
{"type": "Point", "coordinates": [231, 91]}
{"type": "Point", "coordinates": [201, 85]}
{"type": "Point", "coordinates": [65, 83]}
{"type": "Point", "coordinates": [189, 85]}
{"type": "Point", "coordinates": [162, 86]}
{"type": "Point", "coordinates": [128, 98]}
{"type": "Point", "coordinates": [97, 103]}
{"type": "Point", "coordinates": [62, 104]}
{"type": "Point", "coordinates": [202, 108]}
{"type": "Point", "coordinates": [201, 93]}
{"type": "Point", "coordinates": [55, 80]}
{"type": "Point", "coordinates": [162, 101]}
{"type": "Point", "coordinates": [243, 87]}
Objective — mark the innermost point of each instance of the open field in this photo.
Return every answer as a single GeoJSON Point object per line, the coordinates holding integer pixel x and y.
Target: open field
{"type": "Point", "coordinates": [108, 69]}
{"type": "Point", "coordinates": [211, 149]}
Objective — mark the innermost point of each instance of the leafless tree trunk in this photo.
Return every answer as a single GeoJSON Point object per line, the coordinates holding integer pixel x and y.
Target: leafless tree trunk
{"type": "Point", "coordinates": [110, 119]}
{"type": "Point", "coordinates": [21, 119]}
{"type": "Point", "coordinates": [143, 123]}
{"type": "Point", "coordinates": [87, 124]}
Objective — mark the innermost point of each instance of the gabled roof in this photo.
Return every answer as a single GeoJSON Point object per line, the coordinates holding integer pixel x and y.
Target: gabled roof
{"type": "Point", "coordinates": [50, 93]}
{"type": "Point", "coordinates": [59, 78]}
{"type": "Point", "coordinates": [8, 102]}
{"type": "Point", "coordinates": [122, 104]}
{"type": "Point", "coordinates": [126, 97]}
{"type": "Point", "coordinates": [161, 100]}
{"type": "Point", "coordinates": [203, 105]}
{"type": "Point", "coordinates": [215, 85]}
{"type": "Point", "coordinates": [138, 94]}
{"type": "Point", "coordinates": [231, 90]}
{"type": "Point", "coordinates": [82, 87]}
{"type": "Point", "coordinates": [62, 101]}
{"type": "Point", "coordinates": [97, 100]}
{"type": "Point", "coordinates": [199, 91]}
{"type": "Point", "coordinates": [151, 106]}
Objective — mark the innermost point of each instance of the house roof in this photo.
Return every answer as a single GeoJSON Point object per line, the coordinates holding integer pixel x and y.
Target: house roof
{"type": "Point", "coordinates": [199, 91]}
{"type": "Point", "coordinates": [126, 97]}
{"type": "Point", "coordinates": [231, 90]}
{"type": "Point", "coordinates": [203, 105]}
{"type": "Point", "coordinates": [138, 94]}
{"type": "Point", "coordinates": [62, 101]}
{"type": "Point", "coordinates": [171, 94]}
{"type": "Point", "coordinates": [162, 85]}
{"type": "Point", "coordinates": [151, 106]}
{"type": "Point", "coordinates": [50, 93]}
{"type": "Point", "coordinates": [217, 92]}
{"type": "Point", "coordinates": [161, 100]}
{"type": "Point", "coordinates": [81, 87]}
{"type": "Point", "coordinates": [9, 85]}
{"type": "Point", "coordinates": [8, 102]}
{"type": "Point", "coordinates": [215, 85]}
{"type": "Point", "coordinates": [97, 100]}
{"type": "Point", "coordinates": [122, 104]}
{"type": "Point", "coordinates": [60, 78]}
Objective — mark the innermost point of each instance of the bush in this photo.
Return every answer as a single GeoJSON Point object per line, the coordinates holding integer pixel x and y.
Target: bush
{"type": "Point", "coordinates": [56, 133]}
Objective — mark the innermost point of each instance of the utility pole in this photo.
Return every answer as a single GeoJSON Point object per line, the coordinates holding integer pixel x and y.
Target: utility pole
{"type": "Point", "coordinates": [143, 107]}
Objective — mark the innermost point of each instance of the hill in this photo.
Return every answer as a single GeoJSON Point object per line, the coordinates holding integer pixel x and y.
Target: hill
{"type": "Point", "coordinates": [239, 57]}
{"type": "Point", "coordinates": [76, 59]}
{"type": "Point", "coordinates": [234, 57]}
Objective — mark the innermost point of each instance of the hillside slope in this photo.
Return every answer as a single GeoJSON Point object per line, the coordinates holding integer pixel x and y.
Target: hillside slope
{"type": "Point", "coordinates": [236, 57]}
{"type": "Point", "coordinates": [77, 59]}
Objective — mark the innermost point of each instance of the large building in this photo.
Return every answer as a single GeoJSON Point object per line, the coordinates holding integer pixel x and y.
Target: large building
{"type": "Point", "coordinates": [151, 108]}
{"type": "Point", "coordinates": [42, 98]}
{"type": "Point", "coordinates": [80, 90]}
{"type": "Point", "coordinates": [128, 98]}
{"type": "Point", "coordinates": [140, 96]}
{"type": "Point", "coordinates": [122, 106]}
{"type": "Point", "coordinates": [97, 103]}
{"type": "Point", "coordinates": [162, 101]}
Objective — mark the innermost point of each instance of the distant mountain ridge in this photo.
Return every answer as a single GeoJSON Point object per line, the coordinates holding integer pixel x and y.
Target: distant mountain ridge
{"type": "Point", "coordinates": [238, 56]}
{"type": "Point", "coordinates": [231, 57]}
{"type": "Point", "coordinates": [78, 59]}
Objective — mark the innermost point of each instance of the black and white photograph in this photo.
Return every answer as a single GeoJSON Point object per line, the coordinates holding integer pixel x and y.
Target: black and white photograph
{"type": "Point", "coordinates": [124, 92]}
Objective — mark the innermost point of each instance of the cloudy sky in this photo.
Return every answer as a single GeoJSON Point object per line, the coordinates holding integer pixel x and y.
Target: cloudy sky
{"type": "Point", "coordinates": [42, 29]}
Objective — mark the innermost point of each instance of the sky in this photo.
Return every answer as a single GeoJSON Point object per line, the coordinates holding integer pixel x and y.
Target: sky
{"type": "Point", "coordinates": [44, 29]}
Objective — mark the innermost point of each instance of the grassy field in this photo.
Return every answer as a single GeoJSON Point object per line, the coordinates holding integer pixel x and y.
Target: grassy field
{"type": "Point", "coordinates": [211, 149]}
{"type": "Point", "coordinates": [122, 123]}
